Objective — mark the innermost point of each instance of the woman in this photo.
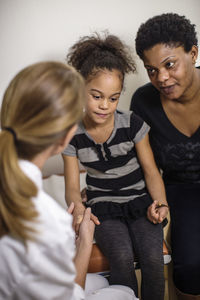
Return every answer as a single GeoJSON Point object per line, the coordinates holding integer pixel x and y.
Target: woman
{"type": "Point", "coordinates": [38, 259]}
{"type": "Point", "coordinates": [170, 104]}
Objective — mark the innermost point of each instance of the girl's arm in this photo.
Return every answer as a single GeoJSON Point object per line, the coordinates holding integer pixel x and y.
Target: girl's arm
{"type": "Point", "coordinates": [156, 212]}
{"type": "Point", "coordinates": [72, 190]}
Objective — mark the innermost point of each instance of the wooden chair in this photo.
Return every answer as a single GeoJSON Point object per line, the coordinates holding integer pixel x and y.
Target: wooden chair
{"type": "Point", "coordinates": [99, 263]}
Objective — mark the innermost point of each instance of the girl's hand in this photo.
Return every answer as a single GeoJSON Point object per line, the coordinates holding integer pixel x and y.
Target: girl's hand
{"type": "Point", "coordinates": [84, 195]}
{"type": "Point", "coordinates": [156, 212]}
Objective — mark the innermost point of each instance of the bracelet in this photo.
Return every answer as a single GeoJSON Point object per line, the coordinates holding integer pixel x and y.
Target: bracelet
{"type": "Point", "coordinates": [162, 205]}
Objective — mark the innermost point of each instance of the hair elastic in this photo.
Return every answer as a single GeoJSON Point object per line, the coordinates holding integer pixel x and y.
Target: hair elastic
{"type": "Point", "coordinates": [11, 131]}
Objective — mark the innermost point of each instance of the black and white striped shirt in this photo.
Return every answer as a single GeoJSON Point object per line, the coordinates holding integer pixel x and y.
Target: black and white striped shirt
{"type": "Point", "coordinates": [113, 171]}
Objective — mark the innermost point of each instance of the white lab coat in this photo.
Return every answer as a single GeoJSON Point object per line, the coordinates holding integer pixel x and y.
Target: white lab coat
{"type": "Point", "coordinates": [45, 269]}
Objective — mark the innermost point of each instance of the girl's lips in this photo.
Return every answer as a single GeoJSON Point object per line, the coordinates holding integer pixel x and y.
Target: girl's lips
{"type": "Point", "coordinates": [101, 115]}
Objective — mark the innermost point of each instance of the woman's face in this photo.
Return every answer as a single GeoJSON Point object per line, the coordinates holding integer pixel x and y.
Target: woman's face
{"type": "Point", "coordinates": [103, 95]}
{"type": "Point", "coordinates": [171, 70]}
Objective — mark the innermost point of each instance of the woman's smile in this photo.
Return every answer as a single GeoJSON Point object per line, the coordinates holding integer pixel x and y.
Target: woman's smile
{"type": "Point", "coordinates": [167, 90]}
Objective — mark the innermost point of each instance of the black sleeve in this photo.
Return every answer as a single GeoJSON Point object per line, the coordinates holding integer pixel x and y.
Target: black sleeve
{"type": "Point", "coordinates": [136, 102]}
{"type": "Point", "coordinates": [143, 101]}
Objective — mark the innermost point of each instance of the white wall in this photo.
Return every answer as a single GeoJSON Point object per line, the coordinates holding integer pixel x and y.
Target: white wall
{"type": "Point", "coordinates": [35, 30]}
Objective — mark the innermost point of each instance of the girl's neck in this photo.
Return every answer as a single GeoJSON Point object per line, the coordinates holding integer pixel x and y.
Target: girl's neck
{"type": "Point", "coordinates": [99, 132]}
{"type": "Point", "coordinates": [91, 125]}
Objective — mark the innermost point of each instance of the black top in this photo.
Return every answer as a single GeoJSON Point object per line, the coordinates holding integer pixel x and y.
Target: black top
{"type": "Point", "coordinates": [175, 153]}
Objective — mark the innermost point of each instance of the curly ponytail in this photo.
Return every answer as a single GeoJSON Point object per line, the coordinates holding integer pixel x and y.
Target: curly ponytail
{"type": "Point", "coordinates": [92, 53]}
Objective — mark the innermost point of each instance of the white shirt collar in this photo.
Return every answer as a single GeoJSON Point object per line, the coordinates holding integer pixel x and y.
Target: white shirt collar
{"type": "Point", "coordinates": [32, 171]}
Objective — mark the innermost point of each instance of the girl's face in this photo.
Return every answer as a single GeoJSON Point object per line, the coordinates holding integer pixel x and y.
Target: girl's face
{"type": "Point", "coordinates": [171, 70]}
{"type": "Point", "coordinates": [103, 95]}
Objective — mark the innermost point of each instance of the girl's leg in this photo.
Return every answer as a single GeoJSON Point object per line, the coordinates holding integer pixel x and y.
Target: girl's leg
{"type": "Point", "coordinates": [184, 201]}
{"type": "Point", "coordinates": [148, 243]}
{"type": "Point", "coordinates": [113, 238]}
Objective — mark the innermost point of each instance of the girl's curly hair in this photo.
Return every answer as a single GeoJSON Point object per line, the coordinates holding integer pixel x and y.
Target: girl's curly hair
{"type": "Point", "coordinates": [170, 28]}
{"type": "Point", "coordinates": [92, 53]}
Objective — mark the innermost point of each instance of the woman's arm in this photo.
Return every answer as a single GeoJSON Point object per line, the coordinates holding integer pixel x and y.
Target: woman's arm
{"type": "Point", "coordinates": [84, 244]}
{"type": "Point", "coordinates": [84, 247]}
{"type": "Point", "coordinates": [156, 212]}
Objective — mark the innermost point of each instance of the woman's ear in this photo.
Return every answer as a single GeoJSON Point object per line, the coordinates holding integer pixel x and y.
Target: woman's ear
{"type": "Point", "coordinates": [194, 53]}
{"type": "Point", "coordinates": [62, 144]}
{"type": "Point", "coordinates": [69, 136]}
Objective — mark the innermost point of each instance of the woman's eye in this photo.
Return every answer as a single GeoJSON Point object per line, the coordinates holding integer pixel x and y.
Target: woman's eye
{"type": "Point", "coordinates": [151, 71]}
{"type": "Point", "coordinates": [170, 64]}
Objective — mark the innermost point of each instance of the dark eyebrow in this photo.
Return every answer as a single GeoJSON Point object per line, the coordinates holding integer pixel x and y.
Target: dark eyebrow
{"type": "Point", "coordinates": [167, 58]}
{"type": "Point", "coordinates": [164, 60]}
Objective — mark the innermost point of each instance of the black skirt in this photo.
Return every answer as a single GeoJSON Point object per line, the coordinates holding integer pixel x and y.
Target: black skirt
{"type": "Point", "coordinates": [132, 209]}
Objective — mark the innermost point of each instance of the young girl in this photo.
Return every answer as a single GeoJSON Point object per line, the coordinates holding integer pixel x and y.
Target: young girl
{"type": "Point", "coordinates": [40, 109]}
{"type": "Point", "coordinates": [123, 183]}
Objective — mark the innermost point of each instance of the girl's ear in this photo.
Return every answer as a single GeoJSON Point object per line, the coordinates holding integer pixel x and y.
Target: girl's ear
{"type": "Point", "coordinates": [194, 53]}
{"type": "Point", "coordinates": [62, 144]}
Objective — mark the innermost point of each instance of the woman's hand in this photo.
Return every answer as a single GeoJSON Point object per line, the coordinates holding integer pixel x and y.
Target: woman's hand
{"type": "Point", "coordinates": [84, 243]}
{"type": "Point", "coordinates": [70, 208]}
{"type": "Point", "coordinates": [78, 212]}
{"type": "Point", "coordinates": [156, 212]}
{"type": "Point", "coordinates": [86, 229]}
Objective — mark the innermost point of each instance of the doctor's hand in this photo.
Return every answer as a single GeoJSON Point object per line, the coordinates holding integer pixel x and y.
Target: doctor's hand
{"type": "Point", "coordinates": [86, 230]}
{"type": "Point", "coordinates": [78, 211]}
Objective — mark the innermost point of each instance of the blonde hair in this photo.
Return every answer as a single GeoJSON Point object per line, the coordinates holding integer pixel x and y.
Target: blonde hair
{"type": "Point", "coordinates": [40, 105]}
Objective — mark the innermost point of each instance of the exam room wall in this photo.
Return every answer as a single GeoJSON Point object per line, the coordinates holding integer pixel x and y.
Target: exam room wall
{"type": "Point", "coordinates": [35, 30]}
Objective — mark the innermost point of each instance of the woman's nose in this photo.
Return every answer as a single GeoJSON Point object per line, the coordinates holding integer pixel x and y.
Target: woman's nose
{"type": "Point", "coordinates": [163, 75]}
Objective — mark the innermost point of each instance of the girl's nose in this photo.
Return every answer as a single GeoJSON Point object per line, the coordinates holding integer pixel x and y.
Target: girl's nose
{"type": "Point", "coordinates": [104, 103]}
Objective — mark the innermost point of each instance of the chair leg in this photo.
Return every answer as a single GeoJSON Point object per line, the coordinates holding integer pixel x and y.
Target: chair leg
{"type": "Point", "coordinates": [183, 296]}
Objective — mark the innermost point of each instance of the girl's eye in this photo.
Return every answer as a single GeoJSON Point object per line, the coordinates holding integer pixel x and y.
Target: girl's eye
{"type": "Point", "coordinates": [97, 97]}
{"type": "Point", "coordinates": [113, 99]}
{"type": "Point", "coordinates": [170, 64]}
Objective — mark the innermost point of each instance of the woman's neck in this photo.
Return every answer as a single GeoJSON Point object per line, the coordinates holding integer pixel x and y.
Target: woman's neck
{"type": "Point", "coordinates": [40, 159]}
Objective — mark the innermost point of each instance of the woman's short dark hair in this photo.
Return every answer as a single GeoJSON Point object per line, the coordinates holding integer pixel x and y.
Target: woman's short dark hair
{"type": "Point", "coordinates": [170, 29]}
